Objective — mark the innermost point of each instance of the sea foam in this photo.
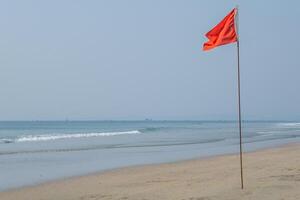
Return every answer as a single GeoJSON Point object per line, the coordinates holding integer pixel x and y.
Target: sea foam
{"type": "Point", "coordinates": [289, 124]}
{"type": "Point", "coordinates": [47, 137]}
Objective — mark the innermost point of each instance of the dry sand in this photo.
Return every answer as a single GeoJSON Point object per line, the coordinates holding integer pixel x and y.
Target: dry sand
{"type": "Point", "coordinates": [269, 175]}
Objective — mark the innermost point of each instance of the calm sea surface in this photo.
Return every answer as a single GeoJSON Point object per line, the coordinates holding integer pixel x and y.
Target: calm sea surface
{"type": "Point", "coordinates": [35, 152]}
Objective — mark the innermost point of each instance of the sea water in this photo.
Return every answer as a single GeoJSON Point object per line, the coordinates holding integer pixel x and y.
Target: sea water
{"type": "Point", "coordinates": [39, 151]}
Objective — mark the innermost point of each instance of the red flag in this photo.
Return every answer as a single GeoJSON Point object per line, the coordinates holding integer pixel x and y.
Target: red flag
{"type": "Point", "coordinates": [222, 33]}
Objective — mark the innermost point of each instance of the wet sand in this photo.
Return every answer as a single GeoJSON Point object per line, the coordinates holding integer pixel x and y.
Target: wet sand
{"type": "Point", "coordinates": [268, 175]}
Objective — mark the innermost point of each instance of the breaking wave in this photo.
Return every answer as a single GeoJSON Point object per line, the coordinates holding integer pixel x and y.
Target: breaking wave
{"type": "Point", "coordinates": [47, 137]}
{"type": "Point", "coordinates": [296, 124]}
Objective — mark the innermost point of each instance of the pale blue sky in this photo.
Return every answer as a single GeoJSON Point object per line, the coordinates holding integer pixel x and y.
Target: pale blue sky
{"type": "Point", "coordinates": [142, 59]}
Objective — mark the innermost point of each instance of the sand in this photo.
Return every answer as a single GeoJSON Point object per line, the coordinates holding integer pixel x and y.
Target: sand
{"type": "Point", "coordinates": [269, 175]}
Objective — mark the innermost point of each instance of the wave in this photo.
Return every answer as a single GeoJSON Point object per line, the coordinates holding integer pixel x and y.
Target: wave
{"type": "Point", "coordinates": [290, 124]}
{"type": "Point", "coordinates": [6, 140]}
{"type": "Point", "coordinates": [153, 129]}
{"type": "Point", "coordinates": [114, 146]}
{"type": "Point", "coordinates": [169, 128]}
{"type": "Point", "coordinates": [267, 132]}
{"type": "Point", "coordinates": [47, 137]}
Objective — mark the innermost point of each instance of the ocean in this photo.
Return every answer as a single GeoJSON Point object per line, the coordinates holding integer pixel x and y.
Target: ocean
{"type": "Point", "coordinates": [33, 152]}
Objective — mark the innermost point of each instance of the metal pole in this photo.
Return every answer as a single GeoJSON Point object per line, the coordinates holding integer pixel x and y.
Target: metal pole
{"type": "Point", "coordinates": [239, 105]}
{"type": "Point", "coordinates": [240, 117]}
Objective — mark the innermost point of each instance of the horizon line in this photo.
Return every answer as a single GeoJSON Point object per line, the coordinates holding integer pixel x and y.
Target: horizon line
{"type": "Point", "coordinates": [151, 120]}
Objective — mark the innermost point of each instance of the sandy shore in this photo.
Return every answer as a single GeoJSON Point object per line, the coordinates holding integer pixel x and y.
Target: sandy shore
{"type": "Point", "coordinates": [269, 175]}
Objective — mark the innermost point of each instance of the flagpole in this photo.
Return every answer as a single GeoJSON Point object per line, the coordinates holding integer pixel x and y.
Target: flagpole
{"type": "Point", "coordinates": [239, 100]}
{"type": "Point", "coordinates": [223, 33]}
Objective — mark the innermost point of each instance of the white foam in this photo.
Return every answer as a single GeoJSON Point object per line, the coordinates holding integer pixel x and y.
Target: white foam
{"type": "Point", "coordinates": [290, 124]}
{"type": "Point", "coordinates": [31, 138]}
{"type": "Point", "coordinates": [266, 133]}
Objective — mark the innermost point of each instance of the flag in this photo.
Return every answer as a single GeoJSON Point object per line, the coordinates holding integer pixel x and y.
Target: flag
{"type": "Point", "coordinates": [223, 33]}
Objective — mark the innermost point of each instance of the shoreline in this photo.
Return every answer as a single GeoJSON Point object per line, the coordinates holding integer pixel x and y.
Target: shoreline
{"type": "Point", "coordinates": [123, 175]}
{"type": "Point", "coordinates": [202, 158]}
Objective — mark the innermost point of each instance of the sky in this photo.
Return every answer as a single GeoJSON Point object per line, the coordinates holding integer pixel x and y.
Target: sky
{"type": "Point", "coordinates": [131, 60]}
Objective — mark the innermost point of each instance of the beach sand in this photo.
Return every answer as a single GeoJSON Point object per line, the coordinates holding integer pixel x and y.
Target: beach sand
{"type": "Point", "coordinates": [269, 175]}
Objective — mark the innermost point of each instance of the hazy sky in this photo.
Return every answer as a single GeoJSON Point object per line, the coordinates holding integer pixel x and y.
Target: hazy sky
{"type": "Point", "coordinates": [143, 59]}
